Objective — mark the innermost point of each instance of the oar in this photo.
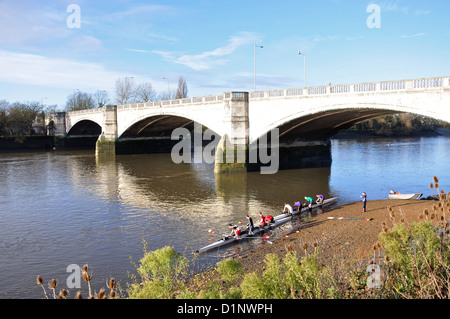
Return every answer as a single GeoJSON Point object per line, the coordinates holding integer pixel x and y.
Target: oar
{"type": "Point", "coordinates": [350, 218]}
{"type": "Point", "coordinates": [258, 238]}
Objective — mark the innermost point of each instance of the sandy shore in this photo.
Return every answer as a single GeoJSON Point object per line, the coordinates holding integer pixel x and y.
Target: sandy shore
{"type": "Point", "coordinates": [350, 238]}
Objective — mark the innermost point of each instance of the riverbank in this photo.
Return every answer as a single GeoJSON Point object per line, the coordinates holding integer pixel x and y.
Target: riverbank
{"type": "Point", "coordinates": [26, 143]}
{"type": "Point", "coordinates": [347, 238]}
{"type": "Point", "coordinates": [351, 134]}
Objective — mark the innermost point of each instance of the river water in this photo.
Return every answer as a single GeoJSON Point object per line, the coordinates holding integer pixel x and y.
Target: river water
{"type": "Point", "coordinates": [66, 208]}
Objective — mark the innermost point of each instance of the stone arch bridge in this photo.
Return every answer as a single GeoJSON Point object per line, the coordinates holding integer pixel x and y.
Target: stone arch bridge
{"type": "Point", "coordinates": [303, 117]}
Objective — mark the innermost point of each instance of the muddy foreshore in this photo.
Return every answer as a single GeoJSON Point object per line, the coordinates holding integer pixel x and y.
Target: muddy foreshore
{"type": "Point", "coordinates": [348, 238]}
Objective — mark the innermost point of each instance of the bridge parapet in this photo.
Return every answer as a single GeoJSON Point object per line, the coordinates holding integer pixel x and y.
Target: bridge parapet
{"type": "Point", "coordinates": [398, 85]}
{"type": "Point", "coordinates": [175, 102]}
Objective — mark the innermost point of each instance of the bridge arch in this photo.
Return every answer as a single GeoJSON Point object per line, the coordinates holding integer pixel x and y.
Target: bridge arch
{"type": "Point", "coordinates": [160, 125]}
{"type": "Point", "coordinates": [324, 121]}
{"type": "Point", "coordinates": [85, 127]}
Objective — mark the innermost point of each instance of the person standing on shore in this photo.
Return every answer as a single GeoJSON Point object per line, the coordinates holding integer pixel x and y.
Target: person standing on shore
{"type": "Point", "coordinates": [364, 201]}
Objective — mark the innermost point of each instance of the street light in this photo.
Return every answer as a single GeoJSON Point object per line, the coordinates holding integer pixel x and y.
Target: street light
{"type": "Point", "coordinates": [254, 63]}
{"type": "Point", "coordinates": [304, 67]}
{"type": "Point", "coordinates": [168, 88]}
{"type": "Point", "coordinates": [44, 131]}
{"type": "Point", "coordinates": [42, 102]}
{"type": "Point", "coordinates": [73, 99]}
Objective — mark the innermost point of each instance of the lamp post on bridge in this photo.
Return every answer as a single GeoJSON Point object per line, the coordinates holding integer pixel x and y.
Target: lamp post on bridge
{"type": "Point", "coordinates": [304, 67]}
{"type": "Point", "coordinates": [254, 64]}
{"type": "Point", "coordinates": [168, 87]}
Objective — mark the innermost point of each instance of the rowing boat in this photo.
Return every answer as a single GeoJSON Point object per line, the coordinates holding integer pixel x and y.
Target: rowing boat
{"type": "Point", "coordinates": [278, 220]}
{"type": "Point", "coordinates": [405, 196]}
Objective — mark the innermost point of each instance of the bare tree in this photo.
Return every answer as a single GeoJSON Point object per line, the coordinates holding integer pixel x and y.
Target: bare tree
{"type": "Point", "coordinates": [182, 89]}
{"type": "Point", "coordinates": [144, 93]}
{"type": "Point", "coordinates": [166, 95]}
{"type": "Point", "coordinates": [124, 90]}
{"type": "Point", "coordinates": [79, 101]}
{"type": "Point", "coordinates": [101, 98]}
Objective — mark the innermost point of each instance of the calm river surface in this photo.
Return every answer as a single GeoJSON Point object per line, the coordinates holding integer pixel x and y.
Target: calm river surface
{"type": "Point", "coordinates": [69, 207]}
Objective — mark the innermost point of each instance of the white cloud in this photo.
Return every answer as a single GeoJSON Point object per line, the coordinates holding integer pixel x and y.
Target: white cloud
{"type": "Point", "coordinates": [210, 59]}
{"type": "Point", "coordinates": [86, 44]}
{"type": "Point", "coordinates": [320, 38]}
{"type": "Point", "coordinates": [31, 69]}
{"type": "Point", "coordinates": [422, 12]}
{"type": "Point", "coordinates": [28, 25]}
{"type": "Point", "coordinates": [355, 38]}
{"type": "Point", "coordinates": [161, 37]}
{"type": "Point", "coordinates": [412, 35]}
{"type": "Point", "coordinates": [393, 6]}
{"type": "Point", "coordinates": [142, 10]}
{"type": "Point", "coordinates": [140, 51]}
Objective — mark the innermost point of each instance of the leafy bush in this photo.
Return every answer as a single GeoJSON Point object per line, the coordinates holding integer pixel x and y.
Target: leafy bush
{"type": "Point", "coordinates": [289, 278]}
{"type": "Point", "coordinates": [418, 261]}
{"type": "Point", "coordinates": [162, 274]}
{"type": "Point", "coordinates": [230, 270]}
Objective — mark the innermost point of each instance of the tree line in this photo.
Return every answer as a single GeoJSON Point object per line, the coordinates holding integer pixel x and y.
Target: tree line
{"type": "Point", "coordinates": [18, 118]}
{"type": "Point", "coordinates": [27, 118]}
{"type": "Point", "coordinates": [126, 91]}
{"type": "Point", "coordinates": [397, 125]}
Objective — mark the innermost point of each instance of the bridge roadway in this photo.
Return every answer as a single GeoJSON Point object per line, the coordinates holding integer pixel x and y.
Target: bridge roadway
{"type": "Point", "coordinates": [300, 115]}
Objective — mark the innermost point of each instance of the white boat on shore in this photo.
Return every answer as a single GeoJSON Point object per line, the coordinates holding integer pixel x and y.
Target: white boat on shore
{"type": "Point", "coordinates": [397, 195]}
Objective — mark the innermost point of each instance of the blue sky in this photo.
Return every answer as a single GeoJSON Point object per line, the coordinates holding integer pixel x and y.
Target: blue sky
{"type": "Point", "coordinates": [211, 44]}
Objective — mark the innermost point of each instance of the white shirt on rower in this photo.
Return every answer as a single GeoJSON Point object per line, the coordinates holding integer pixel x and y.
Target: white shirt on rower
{"type": "Point", "coordinates": [289, 207]}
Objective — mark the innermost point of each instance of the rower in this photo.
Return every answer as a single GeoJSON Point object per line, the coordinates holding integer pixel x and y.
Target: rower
{"type": "Point", "coordinates": [288, 208]}
{"type": "Point", "coordinates": [320, 199]}
{"type": "Point", "coordinates": [238, 231]}
{"type": "Point", "coordinates": [308, 203]}
{"type": "Point", "coordinates": [262, 221]}
{"type": "Point", "coordinates": [269, 219]}
{"type": "Point", "coordinates": [250, 225]}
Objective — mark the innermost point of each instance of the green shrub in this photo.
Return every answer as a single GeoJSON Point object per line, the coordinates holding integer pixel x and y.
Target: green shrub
{"type": "Point", "coordinates": [418, 258]}
{"type": "Point", "coordinates": [289, 278]}
{"type": "Point", "coordinates": [162, 272]}
{"type": "Point", "coordinates": [230, 270]}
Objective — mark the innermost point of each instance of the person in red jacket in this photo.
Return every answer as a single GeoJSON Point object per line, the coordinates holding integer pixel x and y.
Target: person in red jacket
{"type": "Point", "coordinates": [268, 219]}
{"type": "Point", "coordinates": [262, 221]}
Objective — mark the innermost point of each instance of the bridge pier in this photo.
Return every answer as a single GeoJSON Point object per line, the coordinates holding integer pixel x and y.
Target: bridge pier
{"type": "Point", "coordinates": [311, 154]}
{"type": "Point", "coordinates": [232, 150]}
{"type": "Point", "coordinates": [106, 143]}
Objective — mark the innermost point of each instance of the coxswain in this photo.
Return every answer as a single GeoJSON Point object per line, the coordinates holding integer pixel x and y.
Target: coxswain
{"type": "Point", "coordinates": [233, 230]}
